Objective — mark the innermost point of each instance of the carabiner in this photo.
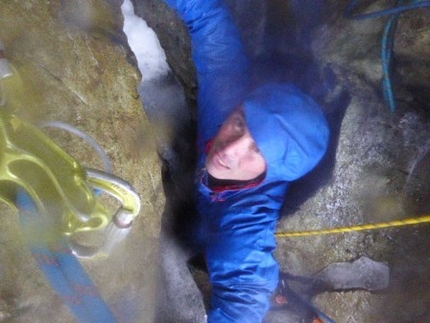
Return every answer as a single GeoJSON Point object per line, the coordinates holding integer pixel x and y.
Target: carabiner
{"type": "Point", "coordinates": [120, 225]}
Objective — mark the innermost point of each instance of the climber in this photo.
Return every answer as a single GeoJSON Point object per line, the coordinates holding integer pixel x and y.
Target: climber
{"type": "Point", "coordinates": [270, 135]}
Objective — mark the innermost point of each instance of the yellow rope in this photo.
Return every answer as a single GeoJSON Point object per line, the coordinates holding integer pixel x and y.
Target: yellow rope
{"type": "Point", "coordinates": [355, 228]}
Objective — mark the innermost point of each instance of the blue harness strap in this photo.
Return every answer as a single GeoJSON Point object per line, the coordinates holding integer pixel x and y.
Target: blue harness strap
{"type": "Point", "coordinates": [63, 271]}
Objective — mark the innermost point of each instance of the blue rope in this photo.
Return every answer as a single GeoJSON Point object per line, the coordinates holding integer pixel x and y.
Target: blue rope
{"type": "Point", "coordinates": [386, 12]}
{"type": "Point", "coordinates": [63, 270]}
{"type": "Point", "coordinates": [387, 43]}
{"type": "Point", "coordinates": [386, 55]}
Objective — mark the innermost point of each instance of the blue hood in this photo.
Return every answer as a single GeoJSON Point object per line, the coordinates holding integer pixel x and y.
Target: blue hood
{"type": "Point", "coordinates": [289, 129]}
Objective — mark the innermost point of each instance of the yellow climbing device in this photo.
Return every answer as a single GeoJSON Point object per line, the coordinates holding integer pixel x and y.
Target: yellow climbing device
{"type": "Point", "coordinates": [62, 189]}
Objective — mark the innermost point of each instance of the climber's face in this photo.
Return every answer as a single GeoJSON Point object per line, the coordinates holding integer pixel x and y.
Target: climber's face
{"type": "Point", "coordinates": [234, 154]}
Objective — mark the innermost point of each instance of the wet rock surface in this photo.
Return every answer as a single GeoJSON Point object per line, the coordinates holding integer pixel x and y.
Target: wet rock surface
{"type": "Point", "coordinates": [75, 66]}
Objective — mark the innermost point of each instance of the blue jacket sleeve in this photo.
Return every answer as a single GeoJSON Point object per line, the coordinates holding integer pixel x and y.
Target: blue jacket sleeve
{"type": "Point", "coordinates": [220, 61]}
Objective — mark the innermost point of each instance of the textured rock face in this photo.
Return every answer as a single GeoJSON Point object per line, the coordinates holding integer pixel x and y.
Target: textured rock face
{"type": "Point", "coordinates": [75, 67]}
{"type": "Point", "coordinates": [380, 171]}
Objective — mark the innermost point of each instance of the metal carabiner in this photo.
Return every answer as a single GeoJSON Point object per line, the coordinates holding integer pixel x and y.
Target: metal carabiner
{"type": "Point", "coordinates": [121, 222]}
{"type": "Point", "coordinates": [58, 185]}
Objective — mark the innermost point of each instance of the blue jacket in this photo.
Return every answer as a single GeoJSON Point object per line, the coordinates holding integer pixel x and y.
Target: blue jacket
{"type": "Point", "coordinates": [238, 226]}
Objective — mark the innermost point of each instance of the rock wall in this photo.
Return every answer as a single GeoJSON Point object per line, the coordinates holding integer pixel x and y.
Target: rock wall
{"type": "Point", "coordinates": [378, 174]}
{"type": "Point", "coordinates": [75, 66]}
